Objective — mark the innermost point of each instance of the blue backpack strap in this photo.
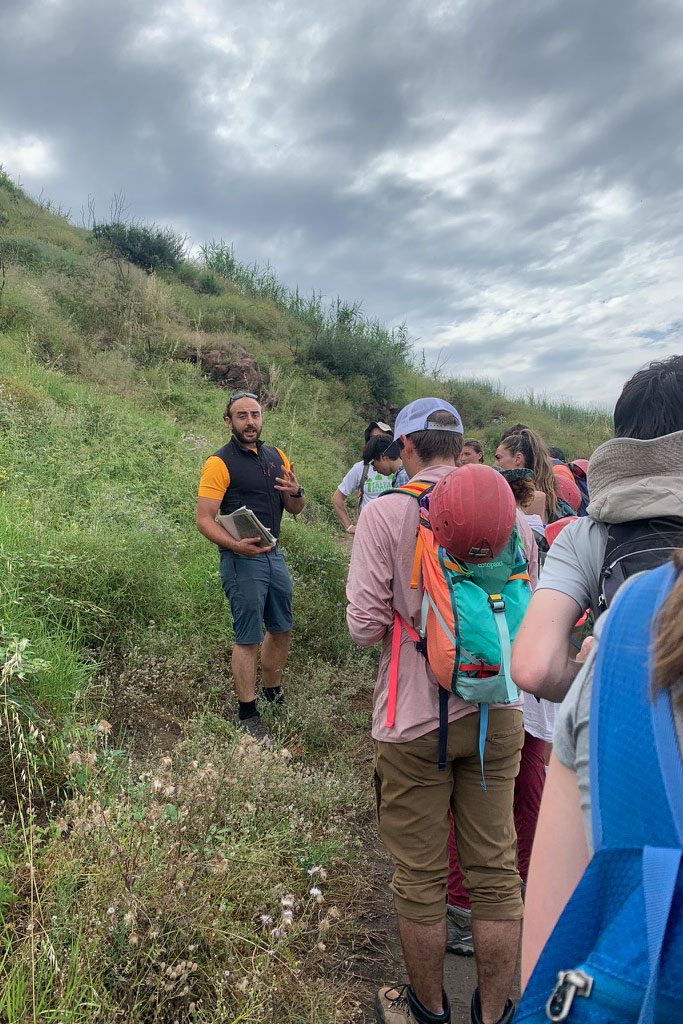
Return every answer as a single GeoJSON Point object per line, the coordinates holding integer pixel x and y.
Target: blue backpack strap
{"type": "Point", "coordinates": [661, 714]}
{"type": "Point", "coordinates": [662, 865]}
{"type": "Point", "coordinates": [628, 802]}
{"type": "Point", "coordinates": [660, 874]}
{"type": "Point", "coordinates": [653, 787]}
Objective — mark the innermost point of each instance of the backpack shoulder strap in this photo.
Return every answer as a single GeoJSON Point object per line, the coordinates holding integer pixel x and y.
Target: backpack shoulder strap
{"type": "Point", "coordinates": [363, 480]}
{"type": "Point", "coordinates": [661, 714]}
{"type": "Point", "coordinates": [415, 488]}
{"type": "Point", "coordinates": [630, 799]}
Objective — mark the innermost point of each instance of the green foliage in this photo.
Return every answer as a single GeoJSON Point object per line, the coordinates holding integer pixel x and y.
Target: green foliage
{"type": "Point", "coordinates": [341, 340]}
{"type": "Point", "coordinates": [349, 345]}
{"type": "Point", "coordinates": [209, 284]}
{"type": "Point", "coordinates": [147, 246]}
{"type": "Point", "coordinates": [40, 256]}
{"type": "Point", "coordinates": [9, 186]}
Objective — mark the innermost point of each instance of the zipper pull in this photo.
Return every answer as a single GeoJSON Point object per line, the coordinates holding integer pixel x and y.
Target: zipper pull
{"type": "Point", "coordinates": [569, 984]}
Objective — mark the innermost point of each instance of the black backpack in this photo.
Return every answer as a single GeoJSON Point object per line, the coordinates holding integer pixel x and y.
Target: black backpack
{"type": "Point", "coordinates": [635, 547]}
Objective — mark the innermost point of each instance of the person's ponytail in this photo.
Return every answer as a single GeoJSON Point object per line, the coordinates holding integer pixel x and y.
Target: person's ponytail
{"type": "Point", "coordinates": [543, 470]}
{"type": "Point", "coordinates": [668, 646]}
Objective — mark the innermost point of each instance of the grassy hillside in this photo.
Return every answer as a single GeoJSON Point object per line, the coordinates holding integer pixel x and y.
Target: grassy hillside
{"type": "Point", "coordinates": [147, 849]}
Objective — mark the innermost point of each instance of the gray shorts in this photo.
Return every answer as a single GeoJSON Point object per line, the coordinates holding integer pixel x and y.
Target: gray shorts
{"type": "Point", "coordinates": [260, 593]}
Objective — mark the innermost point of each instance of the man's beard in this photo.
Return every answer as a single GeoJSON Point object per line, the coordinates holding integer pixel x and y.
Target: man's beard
{"type": "Point", "coordinates": [247, 440]}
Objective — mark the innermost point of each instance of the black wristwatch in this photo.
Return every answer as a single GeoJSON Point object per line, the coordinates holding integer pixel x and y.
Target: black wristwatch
{"type": "Point", "coordinates": [300, 493]}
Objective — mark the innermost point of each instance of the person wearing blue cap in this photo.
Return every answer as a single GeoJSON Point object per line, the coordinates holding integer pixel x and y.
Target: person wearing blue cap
{"type": "Point", "coordinates": [413, 796]}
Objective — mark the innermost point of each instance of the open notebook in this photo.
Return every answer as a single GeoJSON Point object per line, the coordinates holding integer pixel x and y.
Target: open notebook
{"type": "Point", "coordinates": [244, 523]}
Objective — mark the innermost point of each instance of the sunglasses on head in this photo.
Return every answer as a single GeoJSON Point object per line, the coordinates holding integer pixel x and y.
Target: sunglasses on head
{"type": "Point", "coordinates": [241, 394]}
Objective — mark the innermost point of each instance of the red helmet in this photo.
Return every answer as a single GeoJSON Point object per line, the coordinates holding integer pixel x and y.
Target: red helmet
{"type": "Point", "coordinates": [553, 529]}
{"type": "Point", "coordinates": [566, 486]}
{"type": "Point", "coordinates": [582, 465]}
{"type": "Point", "coordinates": [472, 513]}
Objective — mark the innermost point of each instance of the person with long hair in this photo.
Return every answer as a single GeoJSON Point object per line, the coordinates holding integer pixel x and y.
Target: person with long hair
{"type": "Point", "coordinates": [525, 450]}
{"type": "Point", "coordinates": [584, 756]}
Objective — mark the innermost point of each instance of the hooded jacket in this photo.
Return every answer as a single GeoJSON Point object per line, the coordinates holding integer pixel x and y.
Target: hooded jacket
{"type": "Point", "coordinates": [628, 479]}
{"type": "Point", "coordinates": [633, 479]}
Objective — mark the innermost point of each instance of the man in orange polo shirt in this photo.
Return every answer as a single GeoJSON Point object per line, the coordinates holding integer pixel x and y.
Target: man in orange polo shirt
{"type": "Point", "coordinates": [245, 471]}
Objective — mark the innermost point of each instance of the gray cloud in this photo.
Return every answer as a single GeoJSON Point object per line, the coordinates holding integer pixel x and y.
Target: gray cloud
{"type": "Point", "coordinates": [506, 178]}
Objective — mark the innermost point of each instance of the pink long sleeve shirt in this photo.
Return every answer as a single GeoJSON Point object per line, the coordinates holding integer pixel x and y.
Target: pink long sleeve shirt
{"type": "Point", "coordinates": [378, 583]}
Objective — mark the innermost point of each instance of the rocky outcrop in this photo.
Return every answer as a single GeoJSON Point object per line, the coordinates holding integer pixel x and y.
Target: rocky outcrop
{"type": "Point", "coordinates": [383, 411]}
{"type": "Point", "coordinates": [231, 366]}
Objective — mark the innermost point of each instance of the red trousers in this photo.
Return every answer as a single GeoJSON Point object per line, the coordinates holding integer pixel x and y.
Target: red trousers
{"type": "Point", "coordinates": [528, 791]}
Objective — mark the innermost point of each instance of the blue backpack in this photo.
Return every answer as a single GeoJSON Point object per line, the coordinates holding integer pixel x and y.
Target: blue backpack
{"type": "Point", "coordinates": [616, 954]}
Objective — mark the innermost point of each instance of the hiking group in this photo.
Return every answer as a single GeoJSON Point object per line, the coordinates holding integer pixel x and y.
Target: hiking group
{"type": "Point", "coordinates": [522, 608]}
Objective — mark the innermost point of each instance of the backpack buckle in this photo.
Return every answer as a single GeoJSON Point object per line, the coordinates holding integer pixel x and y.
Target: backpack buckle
{"type": "Point", "coordinates": [421, 646]}
{"type": "Point", "coordinates": [497, 602]}
{"type": "Point", "coordinates": [569, 984]}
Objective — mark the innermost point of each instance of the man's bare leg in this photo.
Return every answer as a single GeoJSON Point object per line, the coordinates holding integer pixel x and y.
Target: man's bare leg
{"type": "Point", "coordinates": [244, 660]}
{"type": "Point", "coordinates": [496, 947]}
{"type": "Point", "coordinates": [424, 947]}
{"type": "Point", "coordinates": [274, 651]}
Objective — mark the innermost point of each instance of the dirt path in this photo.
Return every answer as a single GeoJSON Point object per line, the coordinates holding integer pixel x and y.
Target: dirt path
{"type": "Point", "coordinates": [385, 966]}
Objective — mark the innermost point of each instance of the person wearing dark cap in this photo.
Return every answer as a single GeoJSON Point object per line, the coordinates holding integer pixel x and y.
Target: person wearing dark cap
{"type": "Point", "coordinates": [361, 481]}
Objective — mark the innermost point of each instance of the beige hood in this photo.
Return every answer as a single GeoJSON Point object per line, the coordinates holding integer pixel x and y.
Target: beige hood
{"type": "Point", "coordinates": [633, 479]}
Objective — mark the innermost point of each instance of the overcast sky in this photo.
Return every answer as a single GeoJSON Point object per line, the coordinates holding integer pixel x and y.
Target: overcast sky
{"type": "Point", "coordinates": [505, 176]}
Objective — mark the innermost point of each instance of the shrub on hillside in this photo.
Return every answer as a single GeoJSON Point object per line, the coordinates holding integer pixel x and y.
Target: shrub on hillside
{"type": "Point", "coordinates": [147, 246]}
{"type": "Point", "coordinates": [349, 346]}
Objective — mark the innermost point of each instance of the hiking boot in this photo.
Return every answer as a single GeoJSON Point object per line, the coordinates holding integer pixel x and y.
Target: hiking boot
{"type": "Point", "coordinates": [254, 726]}
{"type": "Point", "coordinates": [459, 931]}
{"type": "Point", "coordinates": [394, 1004]}
{"type": "Point", "coordinates": [475, 1011]}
